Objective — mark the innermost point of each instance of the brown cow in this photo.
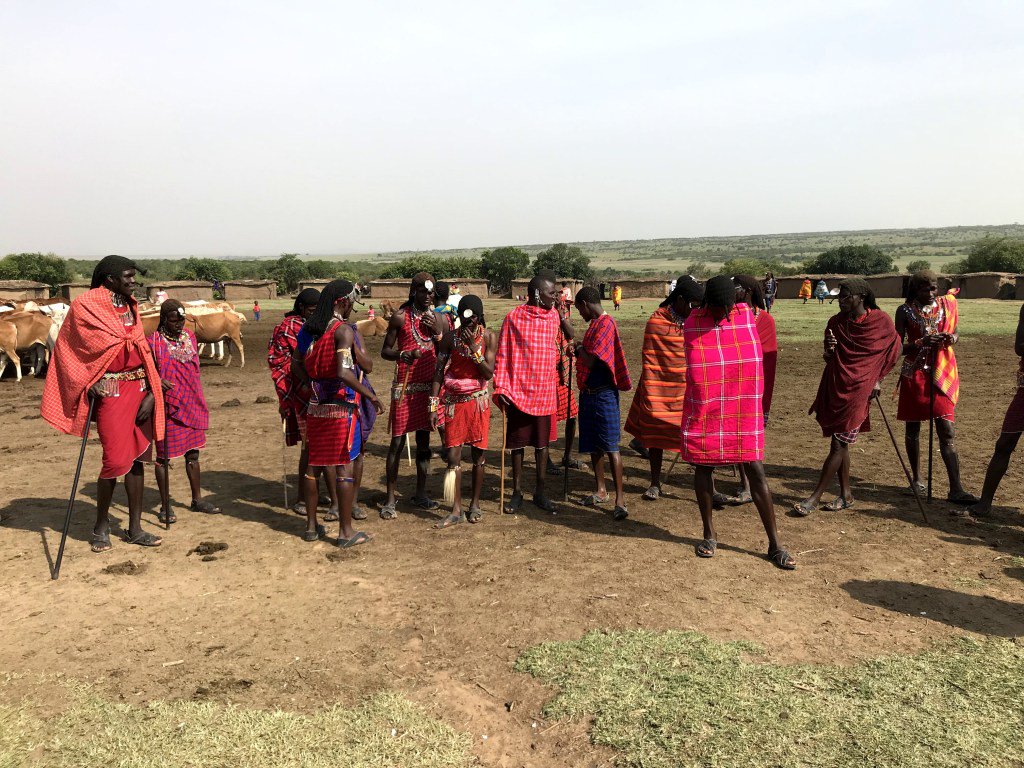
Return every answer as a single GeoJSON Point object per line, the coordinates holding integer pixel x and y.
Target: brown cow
{"type": "Point", "coordinates": [9, 348]}
{"type": "Point", "coordinates": [33, 337]}
{"type": "Point", "coordinates": [211, 326]}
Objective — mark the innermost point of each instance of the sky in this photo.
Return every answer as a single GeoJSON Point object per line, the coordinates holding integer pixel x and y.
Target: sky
{"type": "Point", "coordinates": [257, 128]}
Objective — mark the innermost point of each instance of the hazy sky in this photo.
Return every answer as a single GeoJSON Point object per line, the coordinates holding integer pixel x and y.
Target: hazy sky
{"type": "Point", "coordinates": [258, 127]}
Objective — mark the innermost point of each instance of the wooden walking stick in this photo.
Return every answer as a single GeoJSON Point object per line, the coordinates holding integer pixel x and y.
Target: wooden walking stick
{"type": "Point", "coordinates": [932, 358]}
{"type": "Point", "coordinates": [284, 461]}
{"type": "Point", "coordinates": [396, 404]}
{"type": "Point", "coordinates": [903, 464]}
{"type": "Point", "coordinates": [504, 443]}
{"type": "Point", "coordinates": [55, 574]}
{"type": "Point", "coordinates": [568, 412]}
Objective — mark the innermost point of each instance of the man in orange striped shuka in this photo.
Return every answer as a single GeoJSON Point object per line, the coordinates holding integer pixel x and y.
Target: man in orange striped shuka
{"type": "Point", "coordinates": [927, 326]}
{"type": "Point", "coordinates": [657, 409]}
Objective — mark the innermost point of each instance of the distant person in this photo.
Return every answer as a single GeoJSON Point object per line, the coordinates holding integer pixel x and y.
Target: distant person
{"type": "Point", "coordinates": [861, 347]}
{"type": "Point", "coordinates": [601, 374]}
{"type": "Point", "coordinates": [176, 354]}
{"type": "Point", "coordinates": [821, 291]}
{"type": "Point", "coordinates": [771, 287]}
{"type": "Point", "coordinates": [617, 296]}
{"type": "Point", "coordinates": [566, 295]}
{"type": "Point", "coordinates": [454, 297]}
{"type": "Point", "coordinates": [1013, 426]}
{"type": "Point", "coordinates": [442, 304]}
{"type": "Point", "coordinates": [805, 290]}
{"type": "Point", "coordinates": [657, 407]}
{"type": "Point", "coordinates": [160, 298]}
{"type": "Point", "coordinates": [722, 419]}
{"type": "Point", "coordinates": [371, 314]}
{"type": "Point", "coordinates": [928, 326]}
{"type": "Point", "coordinates": [568, 406]}
{"type": "Point", "coordinates": [256, 311]}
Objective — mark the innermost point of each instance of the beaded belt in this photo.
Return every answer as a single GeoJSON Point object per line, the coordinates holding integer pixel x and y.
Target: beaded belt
{"type": "Point", "coordinates": [595, 390]}
{"type": "Point", "coordinates": [453, 399]}
{"type": "Point", "coordinates": [423, 386]}
{"type": "Point", "coordinates": [135, 375]}
{"type": "Point", "coordinates": [330, 410]}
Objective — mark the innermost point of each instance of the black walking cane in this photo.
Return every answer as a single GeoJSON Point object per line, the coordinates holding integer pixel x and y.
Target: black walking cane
{"type": "Point", "coordinates": [906, 470]}
{"type": "Point", "coordinates": [568, 412]}
{"type": "Point", "coordinates": [932, 358]}
{"type": "Point", "coordinates": [74, 490]}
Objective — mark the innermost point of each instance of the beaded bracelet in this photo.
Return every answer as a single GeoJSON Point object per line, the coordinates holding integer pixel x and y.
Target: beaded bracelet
{"type": "Point", "coordinates": [434, 403]}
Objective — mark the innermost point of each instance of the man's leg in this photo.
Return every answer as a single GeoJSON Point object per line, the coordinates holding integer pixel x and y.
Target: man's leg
{"type": "Point", "coordinates": [947, 449]}
{"type": "Point", "coordinates": [912, 441]}
{"type": "Point", "coordinates": [331, 482]}
{"type": "Point", "coordinates": [160, 469]}
{"type": "Point", "coordinates": [702, 486]}
{"type": "Point", "coordinates": [346, 497]}
{"type": "Point", "coordinates": [997, 467]}
{"type": "Point", "coordinates": [303, 468]}
{"type": "Point", "coordinates": [762, 496]}
{"type": "Point", "coordinates": [615, 461]}
{"type": "Point", "coordinates": [655, 457]}
{"type": "Point", "coordinates": [541, 456]}
{"type": "Point", "coordinates": [391, 469]}
{"type": "Point", "coordinates": [357, 475]}
{"type": "Point", "coordinates": [422, 462]}
{"type": "Point", "coordinates": [133, 483]}
{"type": "Point", "coordinates": [516, 500]}
{"type": "Point", "coordinates": [845, 491]}
{"type": "Point", "coordinates": [104, 493]}
{"type": "Point", "coordinates": [477, 455]}
{"type": "Point", "coordinates": [597, 459]}
{"type": "Point", "coordinates": [570, 436]}
{"type": "Point", "coordinates": [837, 453]}
{"type": "Point", "coordinates": [454, 457]}
{"type": "Point", "coordinates": [193, 472]}
{"type": "Point", "coordinates": [310, 483]}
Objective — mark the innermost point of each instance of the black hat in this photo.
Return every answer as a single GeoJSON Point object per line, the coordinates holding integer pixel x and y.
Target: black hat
{"type": "Point", "coordinates": [720, 292]}
{"type": "Point", "coordinates": [112, 266]}
{"type": "Point", "coordinates": [687, 288]}
{"type": "Point", "coordinates": [468, 306]}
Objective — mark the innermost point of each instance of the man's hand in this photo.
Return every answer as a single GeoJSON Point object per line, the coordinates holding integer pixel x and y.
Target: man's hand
{"type": "Point", "coordinates": [876, 391]}
{"type": "Point", "coordinates": [830, 344]}
{"type": "Point", "coordinates": [166, 385]}
{"type": "Point", "coordinates": [145, 409]}
{"type": "Point", "coordinates": [430, 321]}
{"type": "Point", "coordinates": [434, 420]}
{"type": "Point", "coordinates": [97, 390]}
{"type": "Point", "coordinates": [377, 404]}
{"type": "Point", "coordinates": [501, 401]}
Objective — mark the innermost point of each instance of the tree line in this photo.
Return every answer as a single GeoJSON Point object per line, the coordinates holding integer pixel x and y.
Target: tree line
{"type": "Point", "coordinates": [499, 266]}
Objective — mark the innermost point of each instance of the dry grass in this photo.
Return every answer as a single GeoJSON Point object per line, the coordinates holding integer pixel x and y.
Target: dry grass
{"type": "Point", "coordinates": [681, 699]}
{"type": "Point", "coordinates": [384, 730]}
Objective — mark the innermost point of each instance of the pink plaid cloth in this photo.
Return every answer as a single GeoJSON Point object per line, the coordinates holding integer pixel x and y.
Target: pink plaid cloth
{"type": "Point", "coordinates": [525, 366]}
{"type": "Point", "coordinates": [722, 418]}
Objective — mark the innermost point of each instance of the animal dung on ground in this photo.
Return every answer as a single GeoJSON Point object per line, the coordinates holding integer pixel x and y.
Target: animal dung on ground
{"type": "Point", "coordinates": [206, 548]}
{"type": "Point", "coordinates": [127, 568]}
{"type": "Point", "coordinates": [232, 403]}
{"type": "Point", "coordinates": [264, 399]}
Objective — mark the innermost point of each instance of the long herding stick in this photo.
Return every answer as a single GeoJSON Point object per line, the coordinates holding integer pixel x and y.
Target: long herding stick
{"type": "Point", "coordinates": [504, 442]}
{"type": "Point", "coordinates": [395, 405]}
{"type": "Point", "coordinates": [670, 468]}
{"type": "Point", "coordinates": [74, 490]}
{"type": "Point", "coordinates": [933, 359]}
{"type": "Point", "coordinates": [903, 464]}
{"type": "Point", "coordinates": [284, 461]}
{"type": "Point", "coordinates": [568, 415]}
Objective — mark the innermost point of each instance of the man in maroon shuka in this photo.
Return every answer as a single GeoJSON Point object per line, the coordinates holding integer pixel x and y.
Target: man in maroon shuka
{"type": "Point", "coordinates": [411, 341]}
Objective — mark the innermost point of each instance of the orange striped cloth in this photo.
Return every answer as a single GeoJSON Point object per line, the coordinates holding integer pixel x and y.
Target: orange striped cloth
{"type": "Point", "coordinates": [656, 414]}
{"type": "Point", "coordinates": [947, 376]}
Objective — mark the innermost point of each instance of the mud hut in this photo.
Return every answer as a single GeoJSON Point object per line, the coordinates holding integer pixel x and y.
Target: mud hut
{"type": "Point", "coordinates": [182, 290]}
{"type": "Point", "coordinates": [789, 285]}
{"type": "Point", "coordinates": [71, 291]}
{"type": "Point", "coordinates": [398, 290]}
{"type": "Point", "coordinates": [888, 286]}
{"type": "Point", "coordinates": [643, 288]}
{"type": "Point", "coordinates": [986, 285]}
{"type": "Point", "coordinates": [520, 287]}
{"type": "Point", "coordinates": [23, 290]}
{"type": "Point", "coordinates": [240, 290]}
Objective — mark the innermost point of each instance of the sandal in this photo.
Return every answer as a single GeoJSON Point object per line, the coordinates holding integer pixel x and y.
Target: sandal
{"type": "Point", "coordinates": [143, 539]}
{"type": "Point", "coordinates": [358, 513]}
{"type": "Point", "coordinates": [782, 559]}
{"type": "Point", "coordinates": [514, 504]}
{"type": "Point", "coordinates": [719, 500]}
{"type": "Point", "coordinates": [553, 469]}
{"type": "Point", "coordinates": [361, 537]}
{"type": "Point", "coordinates": [299, 508]}
{"type": "Point", "coordinates": [803, 509]}
{"type": "Point", "coordinates": [706, 548]}
{"type": "Point", "coordinates": [331, 515]}
{"type": "Point", "coordinates": [100, 542]}
{"type": "Point", "coordinates": [837, 504]}
{"type": "Point", "coordinates": [743, 497]}
{"type": "Point", "coordinates": [593, 500]}
{"type": "Point", "coordinates": [424, 502]}
{"type": "Point", "coordinates": [449, 521]}
{"type": "Point", "coordinates": [166, 516]}
{"type": "Point", "coordinates": [961, 512]}
{"type": "Point", "coordinates": [620, 513]}
{"type": "Point", "coordinates": [652, 493]}
{"type": "Point", "coordinates": [474, 515]}
{"type": "Point", "coordinates": [316, 535]}
{"type": "Point", "coordinates": [921, 489]}
{"type": "Point", "coordinates": [388, 512]}
{"type": "Point", "coordinates": [204, 506]}
{"type": "Point", "coordinates": [544, 503]}
{"type": "Point", "coordinates": [574, 464]}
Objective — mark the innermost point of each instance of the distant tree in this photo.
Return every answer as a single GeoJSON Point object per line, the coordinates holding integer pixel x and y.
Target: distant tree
{"type": "Point", "coordinates": [202, 269]}
{"type": "Point", "coordinates": [565, 261]}
{"type": "Point", "coordinates": [288, 270]}
{"type": "Point", "coordinates": [321, 269]}
{"type": "Point", "coordinates": [699, 269]}
{"type": "Point", "coordinates": [754, 267]}
{"type": "Point", "coordinates": [851, 260]}
{"type": "Point", "coordinates": [503, 265]}
{"type": "Point", "coordinates": [441, 267]}
{"type": "Point", "coordinates": [43, 268]}
{"type": "Point", "coordinates": [918, 265]}
{"type": "Point", "coordinates": [992, 254]}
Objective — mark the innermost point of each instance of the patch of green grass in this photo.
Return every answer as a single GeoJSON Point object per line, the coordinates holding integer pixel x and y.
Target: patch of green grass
{"type": "Point", "coordinates": [681, 699]}
{"type": "Point", "coordinates": [92, 732]}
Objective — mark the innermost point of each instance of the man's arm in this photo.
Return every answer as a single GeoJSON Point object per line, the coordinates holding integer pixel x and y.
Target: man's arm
{"type": "Point", "coordinates": [390, 349]}
{"type": "Point", "coordinates": [363, 360]}
{"type": "Point", "coordinates": [1018, 345]}
{"type": "Point", "coordinates": [490, 350]}
{"type": "Point", "coordinates": [343, 338]}
{"type": "Point", "coordinates": [444, 352]}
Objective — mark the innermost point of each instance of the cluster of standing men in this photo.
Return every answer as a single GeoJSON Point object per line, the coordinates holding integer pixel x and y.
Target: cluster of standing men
{"type": "Point", "coordinates": [705, 393]}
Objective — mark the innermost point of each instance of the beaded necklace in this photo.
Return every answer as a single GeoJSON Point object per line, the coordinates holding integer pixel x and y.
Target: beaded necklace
{"type": "Point", "coordinates": [464, 349]}
{"type": "Point", "coordinates": [423, 342]}
{"type": "Point", "coordinates": [677, 320]}
{"type": "Point", "coordinates": [179, 348]}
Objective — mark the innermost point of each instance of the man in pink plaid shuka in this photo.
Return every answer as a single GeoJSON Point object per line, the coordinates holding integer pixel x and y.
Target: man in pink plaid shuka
{"type": "Point", "coordinates": [722, 421]}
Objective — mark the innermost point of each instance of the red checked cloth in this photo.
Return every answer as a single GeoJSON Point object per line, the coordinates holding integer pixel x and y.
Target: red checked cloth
{"type": "Point", "coordinates": [524, 367]}
{"type": "Point", "coordinates": [602, 341]}
{"type": "Point", "coordinates": [91, 339]}
{"type": "Point", "coordinates": [722, 418]}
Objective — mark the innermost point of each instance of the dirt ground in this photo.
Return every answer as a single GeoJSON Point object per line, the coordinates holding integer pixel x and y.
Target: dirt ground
{"type": "Point", "coordinates": [271, 621]}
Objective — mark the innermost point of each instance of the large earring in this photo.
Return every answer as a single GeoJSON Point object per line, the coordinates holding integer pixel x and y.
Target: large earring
{"type": "Point", "coordinates": [536, 296]}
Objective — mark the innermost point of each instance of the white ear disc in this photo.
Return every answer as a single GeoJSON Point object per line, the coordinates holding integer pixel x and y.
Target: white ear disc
{"type": "Point", "coordinates": [429, 285]}
{"type": "Point", "coordinates": [181, 311]}
{"type": "Point", "coordinates": [467, 313]}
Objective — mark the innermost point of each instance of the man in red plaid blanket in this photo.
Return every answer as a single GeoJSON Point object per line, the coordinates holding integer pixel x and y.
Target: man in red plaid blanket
{"type": "Point", "coordinates": [526, 382]}
{"type": "Point", "coordinates": [722, 418]}
{"type": "Point", "coordinates": [101, 353]}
